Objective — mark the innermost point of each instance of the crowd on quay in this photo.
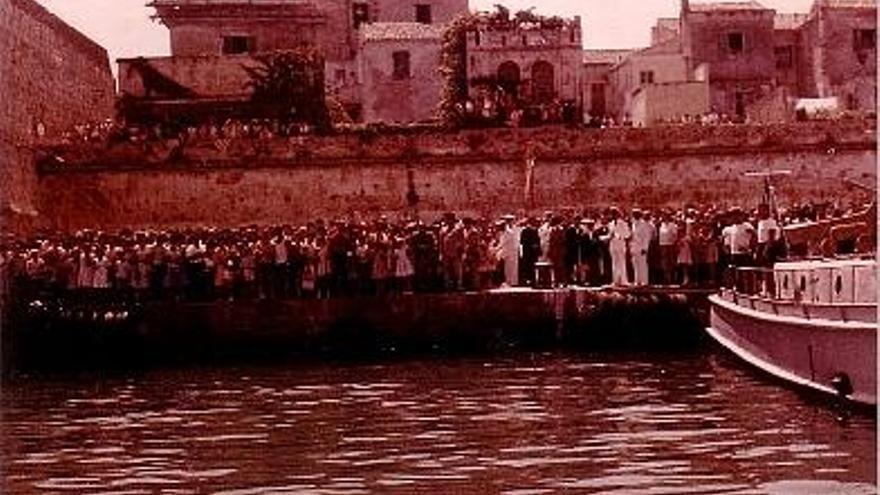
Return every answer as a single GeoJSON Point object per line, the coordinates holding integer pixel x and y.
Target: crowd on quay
{"type": "Point", "coordinates": [346, 258]}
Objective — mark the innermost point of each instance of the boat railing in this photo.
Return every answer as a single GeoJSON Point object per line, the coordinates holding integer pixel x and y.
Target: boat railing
{"type": "Point", "coordinates": [840, 292]}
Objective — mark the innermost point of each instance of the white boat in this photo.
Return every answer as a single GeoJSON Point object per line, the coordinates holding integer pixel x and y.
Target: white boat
{"type": "Point", "coordinates": [811, 323]}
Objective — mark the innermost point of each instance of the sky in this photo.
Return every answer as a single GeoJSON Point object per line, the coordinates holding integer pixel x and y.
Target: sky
{"type": "Point", "coordinates": [125, 29]}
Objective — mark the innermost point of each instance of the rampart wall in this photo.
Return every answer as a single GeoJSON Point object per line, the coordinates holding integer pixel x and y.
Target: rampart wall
{"type": "Point", "coordinates": [480, 172]}
{"type": "Point", "coordinates": [51, 77]}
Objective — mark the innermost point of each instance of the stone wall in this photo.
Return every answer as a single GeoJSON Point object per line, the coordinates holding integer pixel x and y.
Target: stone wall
{"type": "Point", "coordinates": [405, 11]}
{"type": "Point", "coordinates": [845, 71]}
{"type": "Point", "coordinates": [474, 172]}
{"type": "Point", "coordinates": [51, 77]}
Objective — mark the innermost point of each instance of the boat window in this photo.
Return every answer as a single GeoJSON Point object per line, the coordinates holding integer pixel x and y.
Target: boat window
{"type": "Point", "coordinates": [838, 285]}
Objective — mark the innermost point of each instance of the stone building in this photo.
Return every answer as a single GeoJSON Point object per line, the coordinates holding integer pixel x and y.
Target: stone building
{"type": "Point", "coordinates": [212, 40]}
{"type": "Point", "coordinates": [666, 29]}
{"type": "Point", "coordinates": [655, 84]}
{"type": "Point", "coordinates": [597, 88]}
{"type": "Point", "coordinates": [52, 78]}
{"type": "Point", "coordinates": [532, 63]}
{"type": "Point", "coordinates": [735, 41]}
{"type": "Point", "coordinates": [787, 48]}
{"type": "Point", "coordinates": [756, 62]}
{"type": "Point", "coordinates": [838, 53]}
{"type": "Point", "coordinates": [398, 65]}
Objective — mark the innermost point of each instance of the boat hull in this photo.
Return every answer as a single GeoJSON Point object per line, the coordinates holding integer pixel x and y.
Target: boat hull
{"type": "Point", "coordinates": [804, 351]}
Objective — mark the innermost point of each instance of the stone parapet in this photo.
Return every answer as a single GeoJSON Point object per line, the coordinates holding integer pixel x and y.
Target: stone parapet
{"type": "Point", "coordinates": [426, 144]}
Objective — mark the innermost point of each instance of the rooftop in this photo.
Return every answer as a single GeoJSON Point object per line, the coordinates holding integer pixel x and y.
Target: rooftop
{"type": "Point", "coordinates": [609, 56]}
{"type": "Point", "coordinates": [671, 23]}
{"type": "Point", "coordinates": [726, 6]}
{"type": "Point", "coordinates": [789, 21]}
{"type": "Point", "coordinates": [847, 3]}
{"type": "Point", "coordinates": [389, 31]}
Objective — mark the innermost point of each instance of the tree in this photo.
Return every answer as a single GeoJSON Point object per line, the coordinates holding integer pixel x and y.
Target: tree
{"type": "Point", "coordinates": [288, 85]}
{"type": "Point", "coordinates": [453, 69]}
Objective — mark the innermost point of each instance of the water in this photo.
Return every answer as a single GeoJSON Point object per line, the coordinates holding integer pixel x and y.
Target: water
{"type": "Point", "coordinates": [517, 425]}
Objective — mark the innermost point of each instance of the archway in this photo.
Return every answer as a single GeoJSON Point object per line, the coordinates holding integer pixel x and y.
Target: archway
{"type": "Point", "coordinates": [543, 82]}
{"type": "Point", "coordinates": [509, 77]}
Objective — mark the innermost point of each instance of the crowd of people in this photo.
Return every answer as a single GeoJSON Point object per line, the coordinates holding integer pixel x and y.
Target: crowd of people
{"type": "Point", "coordinates": [690, 247]}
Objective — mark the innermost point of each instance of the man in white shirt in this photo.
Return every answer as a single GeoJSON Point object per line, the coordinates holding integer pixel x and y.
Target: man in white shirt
{"type": "Point", "coordinates": [768, 229]}
{"type": "Point", "coordinates": [642, 235]}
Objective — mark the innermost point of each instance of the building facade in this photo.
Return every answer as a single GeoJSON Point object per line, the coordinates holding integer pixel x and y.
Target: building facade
{"type": "Point", "coordinates": [735, 41]}
{"type": "Point", "coordinates": [838, 53]}
{"type": "Point", "coordinates": [755, 61]}
{"type": "Point", "coordinates": [655, 84]}
{"type": "Point", "coordinates": [596, 81]}
{"type": "Point", "coordinates": [526, 63]}
{"type": "Point", "coordinates": [398, 64]}
{"type": "Point", "coordinates": [213, 40]}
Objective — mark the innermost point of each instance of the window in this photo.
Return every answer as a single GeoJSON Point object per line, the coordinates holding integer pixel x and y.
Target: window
{"type": "Point", "coordinates": [360, 14]}
{"type": "Point", "coordinates": [340, 76]}
{"type": "Point", "coordinates": [784, 57]}
{"type": "Point", "coordinates": [525, 40]}
{"type": "Point", "coordinates": [646, 77]}
{"type": "Point", "coordinates": [864, 39]}
{"type": "Point", "coordinates": [401, 65]}
{"type": "Point", "coordinates": [234, 45]}
{"type": "Point", "coordinates": [423, 13]}
{"type": "Point", "coordinates": [504, 41]}
{"type": "Point", "coordinates": [735, 43]}
{"type": "Point", "coordinates": [477, 38]}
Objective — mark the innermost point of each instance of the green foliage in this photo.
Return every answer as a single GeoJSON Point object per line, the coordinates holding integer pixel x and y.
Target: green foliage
{"type": "Point", "coordinates": [453, 69]}
{"type": "Point", "coordinates": [289, 86]}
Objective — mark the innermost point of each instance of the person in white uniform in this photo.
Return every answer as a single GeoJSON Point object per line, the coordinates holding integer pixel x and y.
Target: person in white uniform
{"type": "Point", "coordinates": [642, 235]}
{"type": "Point", "coordinates": [620, 234]}
{"type": "Point", "coordinates": [509, 247]}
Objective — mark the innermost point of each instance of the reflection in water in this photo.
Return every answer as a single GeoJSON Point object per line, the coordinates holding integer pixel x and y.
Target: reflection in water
{"type": "Point", "coordinates": [529, 424]}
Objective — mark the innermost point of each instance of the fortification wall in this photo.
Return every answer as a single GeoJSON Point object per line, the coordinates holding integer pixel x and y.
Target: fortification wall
{"type": "Point", "coordinates": [475, 172]}
{"type": "Point", "coordinates": [51, 77]}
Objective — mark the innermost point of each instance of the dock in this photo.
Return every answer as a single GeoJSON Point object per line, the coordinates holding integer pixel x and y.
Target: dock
{"type": "Point", "coordinates": [577, 318]}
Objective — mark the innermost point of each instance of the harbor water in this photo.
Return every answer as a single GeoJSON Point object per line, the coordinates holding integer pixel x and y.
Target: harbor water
{"type": "Point", "coordinates": [519, 423]}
